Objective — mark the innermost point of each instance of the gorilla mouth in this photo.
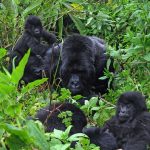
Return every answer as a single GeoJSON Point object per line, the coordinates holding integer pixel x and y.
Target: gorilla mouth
{"type": "Point", "coordinates": [75, 91]}
{"type": "Point", "coordinates": [123, 118]}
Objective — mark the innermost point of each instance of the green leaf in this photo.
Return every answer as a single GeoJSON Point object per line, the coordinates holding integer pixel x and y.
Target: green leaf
{"type": "Point", "coordinates": [32, 7]}
{"type": "Point", "coordinates": [13, 110]}
{"type": "Point", "coordinates": [19, 70]}
{"type": "Point", "coordinates": [6, 89]}
{"type": "Point", "coordinates": [60, 26]}
{"type": "Point", "coordinates": [37, 135]}
{"type": "Point", "coordinates": [147, 57]}
{"type": "Point", "coordinates": [22, 133]}
{"type": "Point", "coordinates": [32, 85]}
{"type": "Point", "coordinates": [16, 143]}
{"type": "Point", "coordinates": [15, 7]}
{"type": "Point", "coordinates": [108, 63]}
{"type": "Point", "coordinates": [78, 23]}
{"type": "Point", "coordinates": [103, 78]}
{"type": "Point", "coordinates": [2, 52]}
{"type": "Point", "coordinates": [89, 21]}
{"type": "Point", "coordinates": [76, 137]}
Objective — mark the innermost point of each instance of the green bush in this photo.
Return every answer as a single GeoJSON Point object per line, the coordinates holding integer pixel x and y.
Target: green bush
{"type": "Point", "coordinates": [125, 26]}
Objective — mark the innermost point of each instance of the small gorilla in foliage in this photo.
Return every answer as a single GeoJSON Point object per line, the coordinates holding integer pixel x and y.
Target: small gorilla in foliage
{"type": "Point", "coordinates": [39, 41]}
{"type": "Point", "coordinates": [130, 126]}
{"type": "Point", "coordinates": [50, 117]}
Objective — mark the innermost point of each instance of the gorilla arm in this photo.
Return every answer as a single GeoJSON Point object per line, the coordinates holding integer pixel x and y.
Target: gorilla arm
{"type": "Point", "coordinates": [49, 37]}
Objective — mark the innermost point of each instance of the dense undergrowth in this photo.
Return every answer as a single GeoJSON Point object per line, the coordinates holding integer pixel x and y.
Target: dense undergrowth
{"type": "Point", "coordinates": [125, 26]}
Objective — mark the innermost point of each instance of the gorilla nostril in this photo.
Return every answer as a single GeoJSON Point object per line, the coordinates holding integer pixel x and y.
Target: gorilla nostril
{"type": "Point", "coordinates": [75, 84]}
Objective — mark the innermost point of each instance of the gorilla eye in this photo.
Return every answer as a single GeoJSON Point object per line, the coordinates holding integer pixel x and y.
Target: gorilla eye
{"type": "Point", "coordinates": [129, 105]}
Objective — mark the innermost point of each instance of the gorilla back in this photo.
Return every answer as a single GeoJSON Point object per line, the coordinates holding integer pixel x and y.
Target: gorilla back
{"type": "Point", "coordinates": [83, 60]}
{"type": "Point", "coordinates": [49, 116]}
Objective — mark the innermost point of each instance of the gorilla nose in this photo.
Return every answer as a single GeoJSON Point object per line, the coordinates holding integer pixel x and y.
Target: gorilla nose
{"type": "Point", "coordinates": [75, 84]}
{"type": "Point", "coordinates": [37, 31]}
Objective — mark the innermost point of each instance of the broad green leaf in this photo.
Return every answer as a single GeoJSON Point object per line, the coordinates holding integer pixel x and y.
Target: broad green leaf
{"type": "Point", "coordinates": [6, 89]}
{"type": "Point", "coordinates": [147, 57]}
{"type": "Point", "coordinates": [19, 70]}
{"type": "Point", "coordinates": [4, 78]}
{"type": "Point", "coordinates": [57, 134]}
{"type": "Point", "coordinates": [15, 143]}
{"type": "Point", "coordinates": [32, 85]}
{"type": "Point", "coordinates": [37, 135]}
{"type": "Point", "coordinates": [13, 110]}
{"type": "Point", "coordinates": [22, 133]}
{"type": "Point", "coordinates": [78, 23]}
{"type": "Point", "coordinates": [2, 52]}
{"type": "Point", "coordinates": [32, 7]}
{"type": "Point", "coordinates": [77, 7]}
{"type": "Point", "coordinates": [76, 137]}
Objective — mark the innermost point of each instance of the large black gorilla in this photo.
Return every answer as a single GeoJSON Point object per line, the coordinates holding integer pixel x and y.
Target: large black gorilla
{"type": "Point", "coordinates": [83, 60]}
{"type": "Point", "coordinates": [130, 126]}
{"type": "Point", "coordinates": [49, 117]}
{"type": "Point", "coordinates": [39, 41]}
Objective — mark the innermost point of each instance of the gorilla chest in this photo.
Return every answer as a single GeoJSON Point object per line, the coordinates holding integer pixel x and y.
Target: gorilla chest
{"type": "Point", "coordinates": [122, 134]}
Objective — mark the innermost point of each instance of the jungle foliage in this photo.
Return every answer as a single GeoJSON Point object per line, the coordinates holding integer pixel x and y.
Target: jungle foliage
{"type": "Point", "coordinates": [125, 26]}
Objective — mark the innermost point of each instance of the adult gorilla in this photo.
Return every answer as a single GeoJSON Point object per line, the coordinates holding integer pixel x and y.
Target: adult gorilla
{"type": "Point", "coordinates": [83, 60]}
{"type": "Point", "coordinates": [130, 126]}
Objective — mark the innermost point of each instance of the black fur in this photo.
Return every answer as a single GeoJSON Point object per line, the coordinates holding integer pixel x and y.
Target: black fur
{"type": "Point", "coordinates": [39, 41]}
{"type": "Point", "coordinates": [49, 117]}
{"type": "Point", "coordinates": [105, 140]}
{"type": "Point", "coordinates": [83, 60]}
{"type": "Point", "coordinates": [132, 132]}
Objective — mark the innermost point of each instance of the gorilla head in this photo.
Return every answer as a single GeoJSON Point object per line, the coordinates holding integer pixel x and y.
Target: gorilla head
{"type": "Point", "coordinates": [33, 26]}
{"type": "Point", "coordinates": [78, 69]}
{"type": "Point", "coordinates": [130, 105]}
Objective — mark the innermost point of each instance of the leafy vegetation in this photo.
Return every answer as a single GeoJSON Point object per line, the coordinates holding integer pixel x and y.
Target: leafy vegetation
{"type": "Point", "coordinates": [125, 26]}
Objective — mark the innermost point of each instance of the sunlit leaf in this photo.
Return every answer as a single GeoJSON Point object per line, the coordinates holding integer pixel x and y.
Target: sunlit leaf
{"type": "Point", "coordinates": [2, 52]}
{"type": "Point", "coordinates": [19, 70]}
{"type": "Point", "coordinates": [32, 85]}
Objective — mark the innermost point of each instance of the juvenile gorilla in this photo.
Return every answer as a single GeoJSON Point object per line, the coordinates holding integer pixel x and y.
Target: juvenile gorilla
{"type": "Point", "coordinates": [39, 41]}
{"type": "Point", "coordinates": [83, 60]}
{"type": "Point", "coordinates": [131, 124]}
{"type": "Point", "coordinates": [49, 117]}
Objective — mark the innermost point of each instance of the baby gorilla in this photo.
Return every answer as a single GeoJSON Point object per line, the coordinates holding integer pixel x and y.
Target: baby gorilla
{"type": "Point", "coordinates": [39, 41]}
{"type": "Point", "coordinates": [131, 124]}
{"type": "Point", "coordinates": [49, 116]}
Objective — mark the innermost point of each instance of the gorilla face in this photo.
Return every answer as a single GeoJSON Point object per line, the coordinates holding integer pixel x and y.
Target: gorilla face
{"type": "Point", "coordinates": [33, 26]}
{"type": "Point", "coordinates": [130, 105]}
{"type": "Point", "coordinates": [126, 112]}
{"type": "Point", "coordinates": [77, 79]}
